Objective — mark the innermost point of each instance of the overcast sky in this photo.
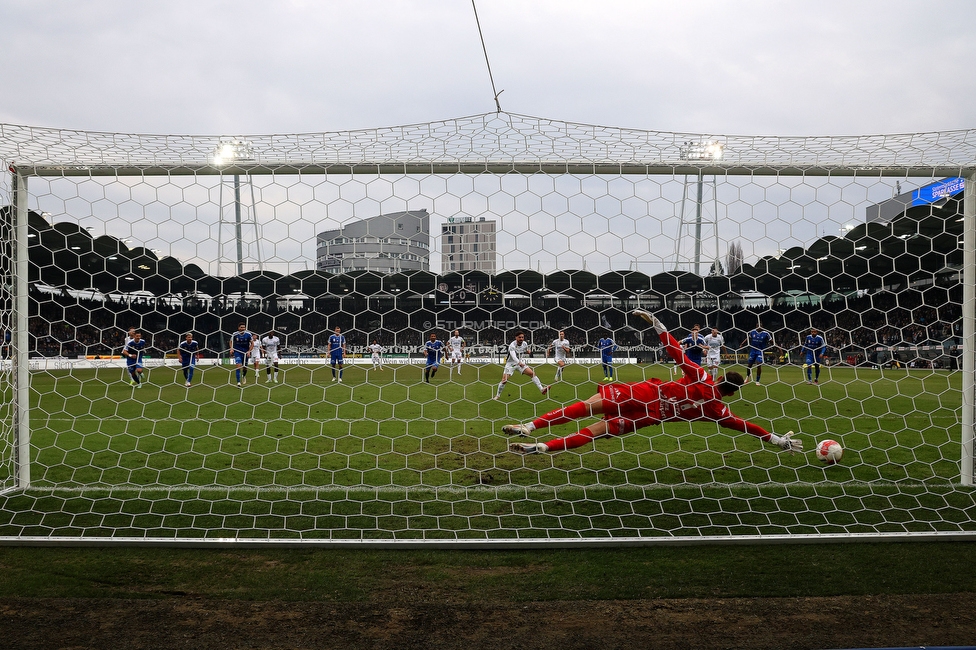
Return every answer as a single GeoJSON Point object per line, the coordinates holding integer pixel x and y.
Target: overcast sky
{"type": "Point", "coordinates": [250, 66]}
{"type": "Point", "coordinates": [256, 67]}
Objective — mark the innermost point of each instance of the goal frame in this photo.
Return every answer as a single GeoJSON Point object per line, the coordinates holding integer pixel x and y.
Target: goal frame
{"type": "Point", "coordinates": [21, 173]}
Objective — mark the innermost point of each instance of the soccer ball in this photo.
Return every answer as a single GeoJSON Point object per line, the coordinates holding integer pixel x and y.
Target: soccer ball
{"type": "Point", "coordinates": [829, 451]}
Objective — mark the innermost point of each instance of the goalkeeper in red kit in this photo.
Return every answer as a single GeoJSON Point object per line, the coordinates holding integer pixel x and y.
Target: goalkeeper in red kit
{"type": "Point", "coordinates": [627, 407]}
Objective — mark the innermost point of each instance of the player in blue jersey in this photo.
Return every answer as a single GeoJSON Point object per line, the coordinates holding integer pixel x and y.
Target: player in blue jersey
{"type": "Point", "coordinates": [694, 345]}
{"type": "Point", "coordinates": [133, 358]}
{"type": "Point", "coordinates": [813, 351]}
{"type": "Point", "coordinates": [188, 350]}
{"type": "Point", "coordinates": [759, 341]}
{"type": "Point", "coordinates": [337, 353]}
{"type": "Point", "coordinates": [433, 348]}
{"type": "Point", "coordinates": [241, 344]}
{"type": "Point", "coordinates": [607, 347]}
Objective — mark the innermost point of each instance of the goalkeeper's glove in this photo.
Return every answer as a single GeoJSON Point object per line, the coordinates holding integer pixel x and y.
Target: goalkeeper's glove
{"type": "Point", "coordinates": [789, 443]}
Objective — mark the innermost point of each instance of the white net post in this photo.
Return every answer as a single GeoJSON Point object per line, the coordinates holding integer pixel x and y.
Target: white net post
{"type": "Point", "coordinates": [8, 453]}
{"type": "Point", "coordinates": [969, 334]}
{"type": "Point", "coordinates": [17, 351]}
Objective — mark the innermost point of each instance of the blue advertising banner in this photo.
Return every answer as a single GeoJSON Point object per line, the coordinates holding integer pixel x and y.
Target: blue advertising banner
{"type": "Point", "coordinates": [938, 190]}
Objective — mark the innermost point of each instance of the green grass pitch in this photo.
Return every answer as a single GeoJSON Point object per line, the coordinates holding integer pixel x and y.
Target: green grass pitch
{"type": "Point", "coordinates": [384, 454]}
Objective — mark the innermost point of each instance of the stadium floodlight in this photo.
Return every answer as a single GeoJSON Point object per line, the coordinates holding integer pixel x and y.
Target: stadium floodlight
{"type": "Point", "coordinates": [229, 152]}
{"type": "Point", "coordinates": [705, 151]}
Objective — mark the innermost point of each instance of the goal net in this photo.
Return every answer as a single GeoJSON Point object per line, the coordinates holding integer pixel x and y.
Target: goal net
{"type": "Point", "coordinates": [838, 272]}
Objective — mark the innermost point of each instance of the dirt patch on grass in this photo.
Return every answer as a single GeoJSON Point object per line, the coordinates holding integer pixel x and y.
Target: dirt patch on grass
{"type": "Point", "coordinates": [178, 621]}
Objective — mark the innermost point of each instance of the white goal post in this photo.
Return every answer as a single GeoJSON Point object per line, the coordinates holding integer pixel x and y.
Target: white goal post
{"type": "Point", "coordinates": [578, 208]}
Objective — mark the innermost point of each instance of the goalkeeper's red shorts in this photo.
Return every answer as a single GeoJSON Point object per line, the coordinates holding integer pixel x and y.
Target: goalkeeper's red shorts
{"type": "Point", "coordinates": [628, 407]}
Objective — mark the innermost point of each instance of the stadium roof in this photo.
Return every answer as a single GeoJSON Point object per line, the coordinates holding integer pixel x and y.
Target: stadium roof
{"type": "Point", "coordinates": [490, 142]}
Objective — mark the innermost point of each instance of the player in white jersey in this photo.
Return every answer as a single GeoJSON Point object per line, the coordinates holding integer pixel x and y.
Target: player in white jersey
{"type": "Point", "coordinates": [377, 351]}
{"type": "Point", "coordinates": [516, 363]}
{"type": "Point", "coordinates": [256, 357]}
{"type": "Point", "coordinates": [561, 350]}
{"type": "Point", "coordinates": [714, 346]}
{"type": "Point", "coordinates": [270, 344]}
{"type": "Point", "coordinates": [455, 345]}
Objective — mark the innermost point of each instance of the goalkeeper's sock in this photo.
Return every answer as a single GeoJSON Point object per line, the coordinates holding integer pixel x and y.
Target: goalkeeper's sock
{"type": "Point", "coordinates": [562, 415]}
{"type": "Point", "coordinates": [585, 436]}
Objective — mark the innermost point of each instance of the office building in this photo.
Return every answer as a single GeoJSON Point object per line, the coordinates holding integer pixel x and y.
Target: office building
{"type": "Point", "coordinates": [387, 243]}
{"type": "Point", "coordinates": [468, 244]}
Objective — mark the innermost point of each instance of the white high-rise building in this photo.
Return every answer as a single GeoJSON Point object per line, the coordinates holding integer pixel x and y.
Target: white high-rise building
{"type": "Point", "coordinates": [468, 244]}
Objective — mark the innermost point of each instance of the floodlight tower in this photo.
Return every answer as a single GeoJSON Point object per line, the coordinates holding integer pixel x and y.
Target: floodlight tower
{"type": "Point", "coordinates": [705, 151]}
{"type": "Point", "coordinates": [230, 153]}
